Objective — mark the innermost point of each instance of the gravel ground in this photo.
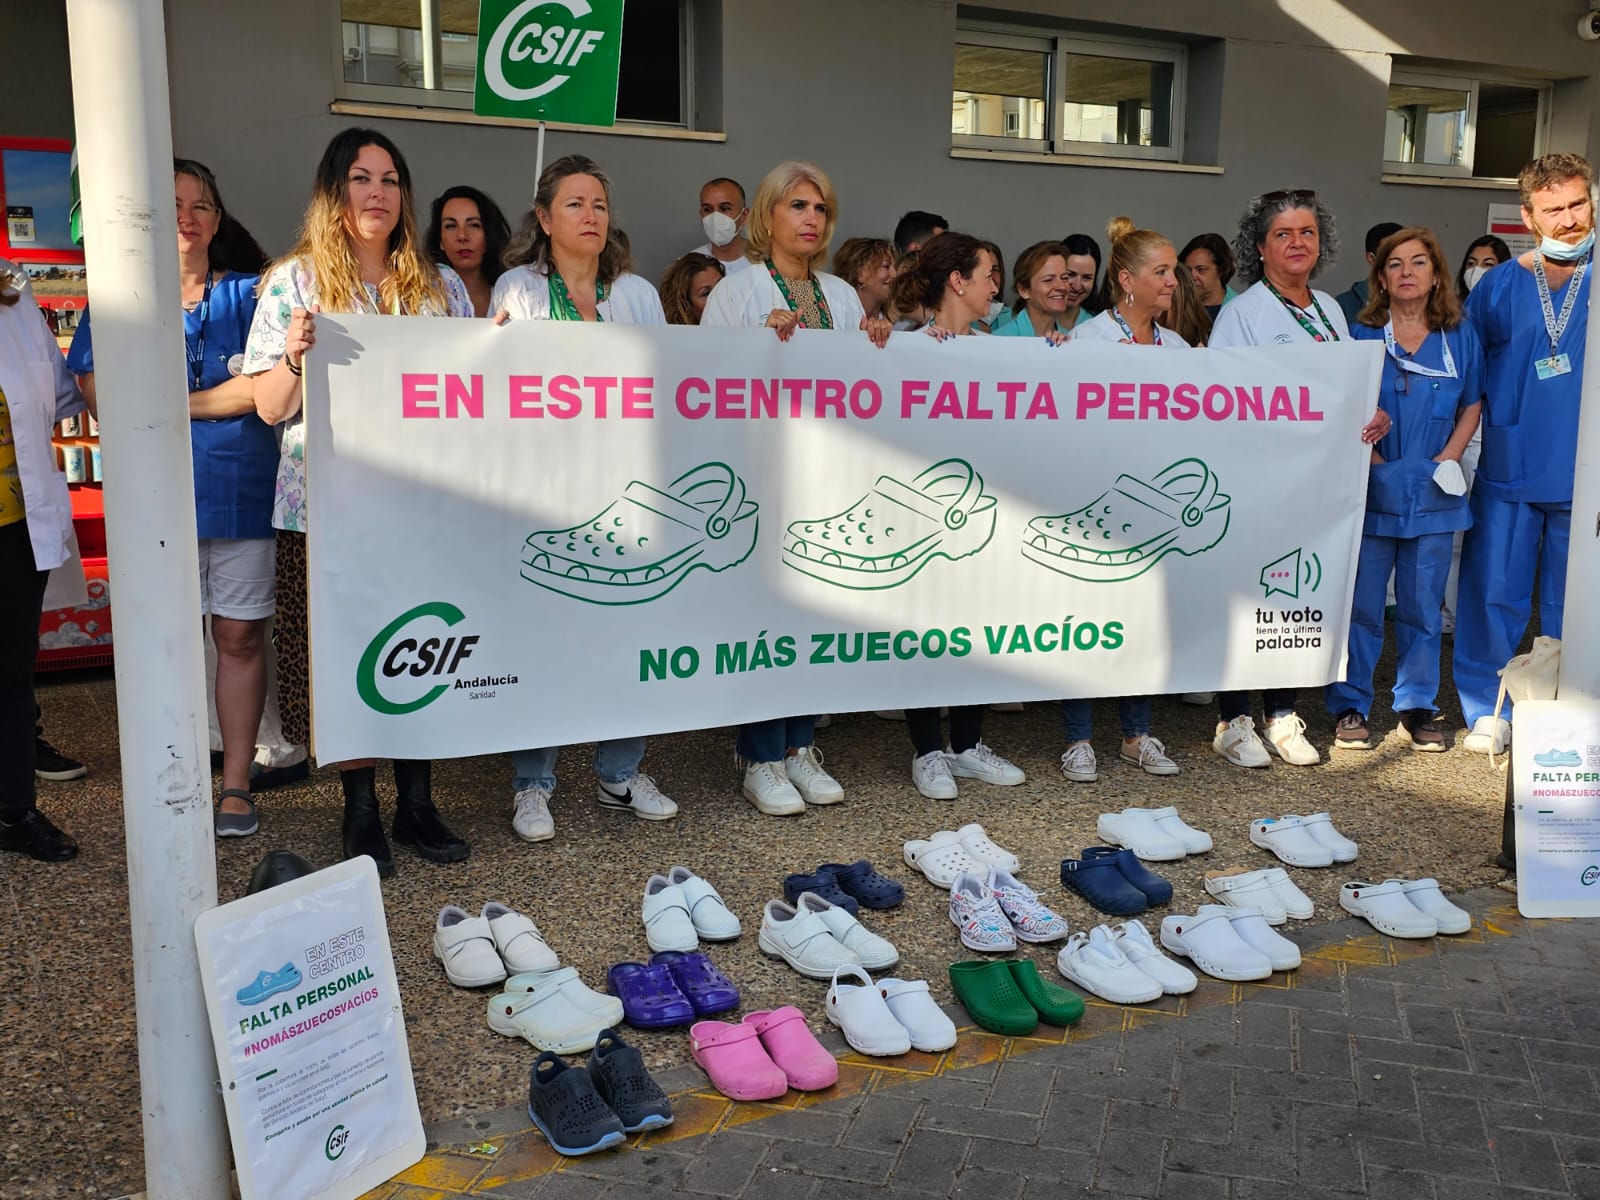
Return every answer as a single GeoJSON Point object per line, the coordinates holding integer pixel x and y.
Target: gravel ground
{"type": "Point", "coordinates": [69, 1058]}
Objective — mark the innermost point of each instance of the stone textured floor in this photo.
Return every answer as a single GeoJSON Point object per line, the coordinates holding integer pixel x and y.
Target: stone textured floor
{"type": "Point", "coordinates": [67, 1049]}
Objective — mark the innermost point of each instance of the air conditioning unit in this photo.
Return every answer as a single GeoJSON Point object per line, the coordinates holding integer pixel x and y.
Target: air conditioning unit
{"type": "Point", "coordinates": [352, 54]}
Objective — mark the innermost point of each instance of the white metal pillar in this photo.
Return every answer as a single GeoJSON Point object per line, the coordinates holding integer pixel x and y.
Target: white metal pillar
{"type": "Point", "coordinates": [124, 134]}
{"type": "Point", "coordinates": [1580, 634]}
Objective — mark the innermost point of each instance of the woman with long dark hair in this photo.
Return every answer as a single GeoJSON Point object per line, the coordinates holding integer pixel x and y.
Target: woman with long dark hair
{"type": "Point", "coordinates": [468, 233]}
{"type": "Point", "coordinates": [358, 251]}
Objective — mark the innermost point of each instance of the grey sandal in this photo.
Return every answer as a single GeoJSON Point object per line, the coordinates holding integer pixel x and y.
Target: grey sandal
{"type": "Point", "coordinates": [229, 824]}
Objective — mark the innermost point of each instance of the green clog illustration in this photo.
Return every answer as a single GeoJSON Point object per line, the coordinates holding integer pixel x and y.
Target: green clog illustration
{"type": "Point", "coordinates": [1127, 530]}
{"type": "Point", "coordinates": [896, 529]}
{"type": "Point", "coordinates": [640, 547]}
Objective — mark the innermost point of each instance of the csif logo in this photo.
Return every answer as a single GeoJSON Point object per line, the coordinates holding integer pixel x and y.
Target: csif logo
{"type": "Point", "coordinates": [550, 60]}
{"type": "Point", "coordinates": [1590, 874]}
{"type": "Point", "coordinates": [390, 662]}
{"type": "Point", "coordinates": [338, 1139]}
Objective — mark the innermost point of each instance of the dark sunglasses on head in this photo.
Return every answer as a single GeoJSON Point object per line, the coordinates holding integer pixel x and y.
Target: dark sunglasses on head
{"type": "Point", "coordinates": [1295, 197]}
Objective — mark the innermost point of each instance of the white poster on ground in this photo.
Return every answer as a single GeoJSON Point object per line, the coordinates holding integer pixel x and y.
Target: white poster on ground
{"type": "Point", "coordinates": [549, 533]}
{"type": "Point", "coordinates": [310, 1038]}
{"type": "Point", "coordinates": [1555, 761]}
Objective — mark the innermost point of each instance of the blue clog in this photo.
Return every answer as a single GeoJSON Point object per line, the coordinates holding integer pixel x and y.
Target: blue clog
{"type": "Point", "coordinates": [1156, 889]}
{"type": "Point", "coordinates": [825, 884]}
{"type": "Point", "coordinates": [1102, 884]}
{"type": "Point", "coordinates": [563, 1103]}
{"type": "Point", "coordinates": [269, 983]}
{"type": "Point", "coordinates": [708, 989]}
{"type": "Point", "coordinates": [650, 996]}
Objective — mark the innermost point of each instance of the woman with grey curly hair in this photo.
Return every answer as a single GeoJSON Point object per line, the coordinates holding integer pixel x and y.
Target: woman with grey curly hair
{"type": "Point", "coordinates": [1285, 239]}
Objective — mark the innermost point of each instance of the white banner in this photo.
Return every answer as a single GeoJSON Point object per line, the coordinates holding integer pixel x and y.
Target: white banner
{"type": "Point", "coordinates": [548, 533]}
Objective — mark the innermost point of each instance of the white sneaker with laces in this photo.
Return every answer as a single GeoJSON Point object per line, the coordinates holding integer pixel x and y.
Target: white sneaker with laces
{"type": "Point", "coordinates": [805, 773]}
{"type": "Point", "coordinates": [1237, 742]}
{"type": "Point", "coordinates": [768, 788]}
{"type": "Point", "coordinates": [931, 773]}
{"type": "Point", "coordinates": [976, 913]}
{"type": "Point", "coordinates": [1078, 764]}
{"type": "Point", "coordinates": [638, 795]}
{"type": "Point", "coordinates": [1150, 756]}
{"type": "Point", "coordinates": [1286, 737]}
{"type": "Point", "coordinates": [532, 821]}
{"type": "Point", "coordinates": [1030, 920]}
{"type": "Point", "coordinates": [1490, 735]}
{"type": "Point", "coordinates": [983, 763]}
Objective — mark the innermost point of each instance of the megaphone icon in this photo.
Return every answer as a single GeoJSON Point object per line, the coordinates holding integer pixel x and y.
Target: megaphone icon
{"type": "Point", "coordinates": [1288, 574]}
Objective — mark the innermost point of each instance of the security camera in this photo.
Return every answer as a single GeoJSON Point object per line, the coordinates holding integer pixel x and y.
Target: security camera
{"type": "Point", "coordinates": [1589, 26]}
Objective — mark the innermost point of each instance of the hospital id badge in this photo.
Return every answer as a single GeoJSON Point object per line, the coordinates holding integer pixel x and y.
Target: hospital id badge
{"type": "Point", "coordinates": [1556, 364]}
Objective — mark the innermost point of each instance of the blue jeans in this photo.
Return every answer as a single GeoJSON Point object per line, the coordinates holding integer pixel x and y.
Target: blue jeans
{"type": "Point", "coordinates": [770, 741]}
{"type": "Point", "coordinates": [1134, 711]}
{"type": "Point", "coordinates": [615, 761]}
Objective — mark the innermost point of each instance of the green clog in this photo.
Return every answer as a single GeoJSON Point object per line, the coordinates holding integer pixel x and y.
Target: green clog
{"type": "Point", "coordinates": [1056, 1005]}
{"type": "Point", "coordinates": [992, 998]}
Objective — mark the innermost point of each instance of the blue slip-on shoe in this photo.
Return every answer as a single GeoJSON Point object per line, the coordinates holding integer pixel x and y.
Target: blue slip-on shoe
{"type": "Point", "coordinates": [618, 1072]}
{"type": "Point", "coordinates": [269, 983]}
{"type": "Point", "coordinates": [825, 884]}
{"type": "Point", "coordinates": [1156, 889]}
{"type": "Point", "coordinates": [1102, 884]}
{"type": "Point", "coordinates": [563, 1103]}
{"type": "Point", "coordinates": [1559, 758]}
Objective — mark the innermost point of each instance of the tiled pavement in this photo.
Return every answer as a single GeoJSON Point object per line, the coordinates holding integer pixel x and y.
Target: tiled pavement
{"type": "Point", "coordinates": [1446, 1069]}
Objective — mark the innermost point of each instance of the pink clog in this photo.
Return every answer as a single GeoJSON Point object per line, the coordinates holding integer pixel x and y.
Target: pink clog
{"type": "Point", "coordinates": [733, 1056]}
{"type": "Point", "coordinates": [794, 1048]}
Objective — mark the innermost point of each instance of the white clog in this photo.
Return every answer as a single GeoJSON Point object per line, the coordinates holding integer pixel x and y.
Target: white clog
{"type": "Point", "coordinates": [803, 940]}
{"type": "Point", "coordinates": [1386, 907]}
{"type": "Point", "coordinates": [1291, 841]}
{"type": "Point", "coordinates": [1295, 902]}
{"type": "Point", "coordinates": [1248, 889]}
{"type": "Point", "coordinates": [1209, 940]}
{"type": "Point", "coordinates": [875, 953]}
{"type": "Point", "coordinates": [1321, 827]}
{"type": "Point", "coordinates": [1097, 964]}
{"type": "Point", "coordinates": [860, 1011]}
{"type": "Point", "coordinates": [941, 858]}
{"type": "Point", "coordinates": [1427, 897]}
{"type": "Point", "coordinates": [665, 911]}
{"type": "Point", "coordinates": [555, 1015]}
{"type": "Point", "coordinates": [601, 1005]}
{"type": "Point", "coordinates": [908, 999]}
{"type": "Point", "coordinates": [978, 845]}
{"type": "Point", "coordinates": [1253, 929]}
{"type": "Point", "coordinates": [1133, 939]}
{"type": "Point", "coordinates": [518, 940]}
{"type": "Point", "coordinates": [1136, 829]}
{"type": "Point", "coordinates": [1195, 841]}
{"type": "Point", "coordinates": [707, 912]}
{"type": "Point", "coordinates": [465, 946]}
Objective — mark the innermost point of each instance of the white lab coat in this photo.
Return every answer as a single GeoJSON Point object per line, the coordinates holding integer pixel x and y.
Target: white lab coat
{"type": "Point", "coordinates": [1258, 318]}
{"type": "Point", "coordinates": [749, 297]}
{"type": "Point", "coordinates": [1103, 327]}
{"type": "Point", "coordinates": [524, 293]}
{"type": "Point", "coordinates": [729, 268]}
{"type": "Point", "coordinates": [39, 392]}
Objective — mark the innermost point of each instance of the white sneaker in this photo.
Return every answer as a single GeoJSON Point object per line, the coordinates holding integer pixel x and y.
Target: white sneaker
{"type": "Point", "coordinates": [638, 795]}
{"type": "Point", "coordinates": [983, 763]}
{"type": "Point", "coordinates": [976, 913]}
{"type": "Point", "coordinates": [665, 912]}
{"type": "Point", "coordinates": [768, 788]}
{"type": "Point", "coordinates": [1096, 963]}
{"type": "Point", "coordinates": [1286, 737]}
{"type": "Point", "coordinates": [803, 940]}
{"type": "Point", "coordinates": [532, 821]}
{"type": "Point", "coordinates": [465, 946]}
{"type": "Point", "coordinates": [1030, 920]}
{"type": "Point", "coordinates": [1150, 756]}
{"type": "Point", "coordinates": [1237, 742]}
{"type": "Point", "coordinates": [1078, 764]}
{"type": "Point", "coordinates": [518, 940]}
{"type": "Point", "coordinates": [875, 953]}
{"type": "Point", "coordinates": [707, 911]}
{"type": "Point", "coordinates": [1490, 735]}
{"type": "Point", "coordinates": [814, 784]}
{"type": "Point", "coordinates": [931, 773]}
{"type": "Point", "coordinates": [1134, 940]}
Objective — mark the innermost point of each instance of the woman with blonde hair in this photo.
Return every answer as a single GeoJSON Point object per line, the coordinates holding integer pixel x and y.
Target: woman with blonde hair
{"type": "Point", "coordinates": [791, 224]}
{"type": "Point", "coordinates": [687, 285]}
{"type": "Point", "coordinates": [1432, 389]}
{"type": "Point", "coordinates": [358, 251]}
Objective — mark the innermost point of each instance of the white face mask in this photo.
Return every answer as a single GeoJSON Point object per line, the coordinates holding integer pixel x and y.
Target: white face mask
{"type": "Point", "coordinates": [1558, 251]}
{"type": "Point", "coordinates": [720, 228]}
{"type": "Point", "coordinates": [1471, 276]}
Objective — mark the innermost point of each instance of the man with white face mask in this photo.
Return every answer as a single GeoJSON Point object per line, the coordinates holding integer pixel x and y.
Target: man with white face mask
{"type": "Point", "coordinates": [722, 216]}
{"type": "Point", "coordinates": [1530, 316]}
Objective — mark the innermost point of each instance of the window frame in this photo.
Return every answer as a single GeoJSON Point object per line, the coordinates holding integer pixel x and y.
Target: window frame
{"type": "Point", "coordinates": [1472, 84]}
{"type": "Point", "coordinates": [437, 97]}
{"type": "Point", "coordinates": [1058, 47]}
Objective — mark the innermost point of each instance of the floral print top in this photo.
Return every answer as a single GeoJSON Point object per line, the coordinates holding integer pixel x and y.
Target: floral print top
{"type": "Point", "coordinates": [289, 286]}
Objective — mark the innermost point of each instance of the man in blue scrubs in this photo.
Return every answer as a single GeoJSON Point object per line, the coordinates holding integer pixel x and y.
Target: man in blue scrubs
{"type": "Point", "coordinates": [1530, 314]}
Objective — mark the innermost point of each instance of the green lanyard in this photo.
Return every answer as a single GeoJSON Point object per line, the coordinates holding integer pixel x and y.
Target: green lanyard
{"type": "Point", "coordinates": [1300, 316]}
{"type": "Point", "coordinates": [816, 290]}
{"type": "Point", "coordinates": [562, 305]}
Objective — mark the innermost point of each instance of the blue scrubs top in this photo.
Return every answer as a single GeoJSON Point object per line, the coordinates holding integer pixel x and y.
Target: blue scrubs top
{"type": "Point", "coordinates": [1018, 325]}
{"type": "Point", "coordinates": [1403, 501]}
{"type": "Point", "coordinates": [1530, 425]}
{"type": "Point", "coordinates": [235, 458]}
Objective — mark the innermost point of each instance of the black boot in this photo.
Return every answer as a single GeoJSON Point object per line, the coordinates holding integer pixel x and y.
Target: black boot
{"type": "Point", "coordinates": [417, 822]}
{"type": "Point", "coordinates": [363, 827]}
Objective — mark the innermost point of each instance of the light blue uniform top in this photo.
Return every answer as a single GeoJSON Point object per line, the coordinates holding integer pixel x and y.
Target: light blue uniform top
{"type": "Point", "coordinates": [1012, 324]}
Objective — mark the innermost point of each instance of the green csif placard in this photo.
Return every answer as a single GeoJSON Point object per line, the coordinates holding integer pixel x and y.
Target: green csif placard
{"type": "Point", "coordinates": [549, 60]}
